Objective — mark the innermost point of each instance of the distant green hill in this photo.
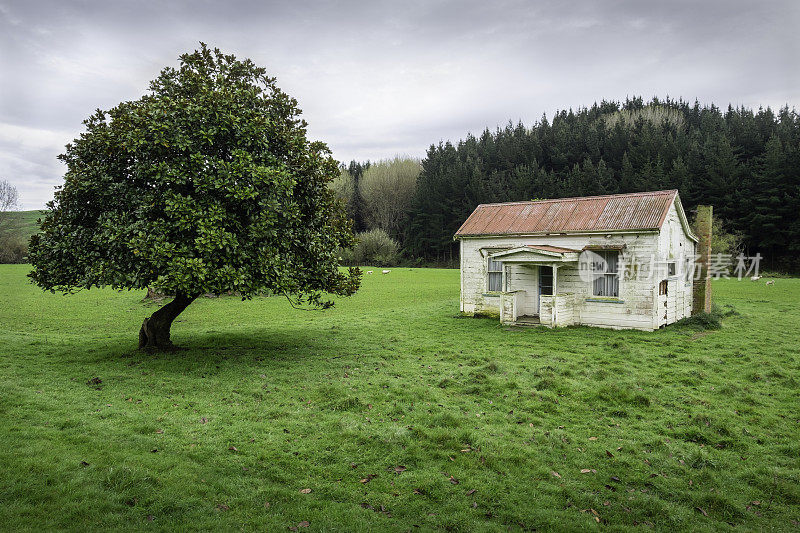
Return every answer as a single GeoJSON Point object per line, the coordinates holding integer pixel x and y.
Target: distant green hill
{"type": "Point", "coordinates": [23, 223]}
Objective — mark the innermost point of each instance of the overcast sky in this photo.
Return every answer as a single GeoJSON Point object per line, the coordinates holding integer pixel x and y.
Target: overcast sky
{"type": "Point", "coordinates": [375, 79]}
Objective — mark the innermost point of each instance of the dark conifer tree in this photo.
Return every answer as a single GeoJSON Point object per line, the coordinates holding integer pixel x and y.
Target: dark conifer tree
{"type": "Point", "coordinates": [744, 163]}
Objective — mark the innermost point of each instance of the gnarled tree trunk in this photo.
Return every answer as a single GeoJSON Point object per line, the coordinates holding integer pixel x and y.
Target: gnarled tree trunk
{"type": "Point", "coordinates": [154, 334]}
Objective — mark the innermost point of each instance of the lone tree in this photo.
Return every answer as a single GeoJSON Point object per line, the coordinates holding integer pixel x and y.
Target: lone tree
{"type": "Point", "coordinates": [206, 184]}
{"type": "Point", "coordinates": [8, 196]}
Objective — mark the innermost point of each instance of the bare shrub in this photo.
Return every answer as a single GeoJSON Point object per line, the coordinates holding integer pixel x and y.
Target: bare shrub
{"type": "Point", "coordinates": [387, 188]}
{"type": "Point", "coordinates": [344, 187]}
{"type": "Point", "coordinates": [657, 115]}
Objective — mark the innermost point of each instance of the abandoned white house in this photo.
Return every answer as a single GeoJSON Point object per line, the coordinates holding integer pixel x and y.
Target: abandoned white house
{"type": "Point", "coordinates": [617, 261]}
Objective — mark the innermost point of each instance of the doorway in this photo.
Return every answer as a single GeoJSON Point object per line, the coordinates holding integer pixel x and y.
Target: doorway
{"type": "Point", "coordinates": [545, 280]}
{"type": "Point", "coordinates": [534, 281]}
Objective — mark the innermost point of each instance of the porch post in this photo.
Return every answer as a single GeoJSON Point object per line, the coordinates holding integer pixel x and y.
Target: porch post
{"type": "Point", "coordinates": [554, 306]}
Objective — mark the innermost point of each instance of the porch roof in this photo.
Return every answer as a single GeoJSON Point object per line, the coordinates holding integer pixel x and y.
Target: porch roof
{"type": "Point", "coordinates": [537, 253]}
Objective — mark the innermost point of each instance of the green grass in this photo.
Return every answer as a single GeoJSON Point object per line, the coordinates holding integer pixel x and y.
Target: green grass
{"type": "Point", "coordinates": [679, 428]}
{"type": "Point", "coordinates": [23, 223]}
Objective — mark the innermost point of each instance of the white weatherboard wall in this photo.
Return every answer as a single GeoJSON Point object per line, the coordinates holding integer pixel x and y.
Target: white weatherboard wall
{"type": "Point", "coordinates": [675, 245]}
{"type": "Point", "coordinates": [636, 306]}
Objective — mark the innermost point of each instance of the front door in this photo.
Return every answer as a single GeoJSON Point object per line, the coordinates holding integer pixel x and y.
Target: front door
{"type": "Point", "coordinates": [545, 283]}
{"type": "Point", "coordinates": [523, 279]}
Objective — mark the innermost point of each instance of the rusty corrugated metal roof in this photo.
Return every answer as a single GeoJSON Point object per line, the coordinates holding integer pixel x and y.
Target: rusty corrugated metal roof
{"type": "Point", "coordinates": [633, 211]}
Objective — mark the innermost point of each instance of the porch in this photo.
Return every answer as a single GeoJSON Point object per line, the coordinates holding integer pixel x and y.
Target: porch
{"type": "Point", "coordinates": [532, 293]}
{"type": "Point", "coordinates": [555, 310]}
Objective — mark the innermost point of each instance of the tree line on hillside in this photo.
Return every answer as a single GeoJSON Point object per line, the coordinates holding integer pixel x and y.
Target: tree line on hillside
{"type": "Point", "coordinates": [745, 163]}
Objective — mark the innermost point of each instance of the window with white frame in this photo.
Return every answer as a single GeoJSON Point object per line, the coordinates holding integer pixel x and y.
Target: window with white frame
{"type": "Point", "coordinates": [606, 274]}
{"type": "Point", "coordinates": [495, 275]}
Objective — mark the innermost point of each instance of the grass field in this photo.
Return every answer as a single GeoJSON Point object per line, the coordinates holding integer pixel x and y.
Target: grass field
{"type": "Point", "coordinates": [391, 413]}
{"type": "Point", "coordinates": [22, 223]}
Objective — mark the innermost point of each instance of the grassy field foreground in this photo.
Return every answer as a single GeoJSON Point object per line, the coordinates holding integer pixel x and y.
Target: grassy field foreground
{"type": "Point", "coordinates": [390, 412]}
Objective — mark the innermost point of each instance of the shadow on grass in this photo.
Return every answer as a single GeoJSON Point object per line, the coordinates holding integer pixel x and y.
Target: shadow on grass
{"type": "Point", "coordinates": [198, 351]}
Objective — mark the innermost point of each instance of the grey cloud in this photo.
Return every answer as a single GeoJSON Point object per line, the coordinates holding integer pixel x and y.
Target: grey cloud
{"type": "Point", "coordinates": [379, 78]}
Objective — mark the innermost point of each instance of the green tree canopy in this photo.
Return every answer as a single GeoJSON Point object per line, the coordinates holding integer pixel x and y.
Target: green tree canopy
{"type": "Point", "coordinates": [206, 184]}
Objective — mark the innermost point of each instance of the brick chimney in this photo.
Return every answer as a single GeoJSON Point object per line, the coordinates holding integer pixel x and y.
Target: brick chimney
{"type": "Point", "coordinates": [701, 300]}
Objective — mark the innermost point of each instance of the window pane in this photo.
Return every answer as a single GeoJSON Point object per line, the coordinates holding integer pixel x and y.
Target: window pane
{"type": "Point", "coordinates": [599, 286]}
{"type": "Point", "coordinates": [606, 285]}
{"type": "Point", "coordinates": [605, 262]}
{"type": "Point", "coordinates": [546, 280]}
{"type": "Point", "coordinates": [611, 261]}
{"type": "Point", "coordinates": [607, 281]}
{"type": "Point", "coordinates": [494, 271]}
{"type": "Point", "coordinates": [613, 284]}
{"type": "Point", "coordinates": [495, 281]}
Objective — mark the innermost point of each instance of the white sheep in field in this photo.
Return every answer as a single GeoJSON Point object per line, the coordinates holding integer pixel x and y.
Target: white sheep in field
{"type": "Point", "coordinates": [755, 278]}
{"type": "Point", "coordinates": [385, 271]}
{"type": "Point", "coordinates": [771, 282]}
{"type": "Point", "coordinates": [369, 271]}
